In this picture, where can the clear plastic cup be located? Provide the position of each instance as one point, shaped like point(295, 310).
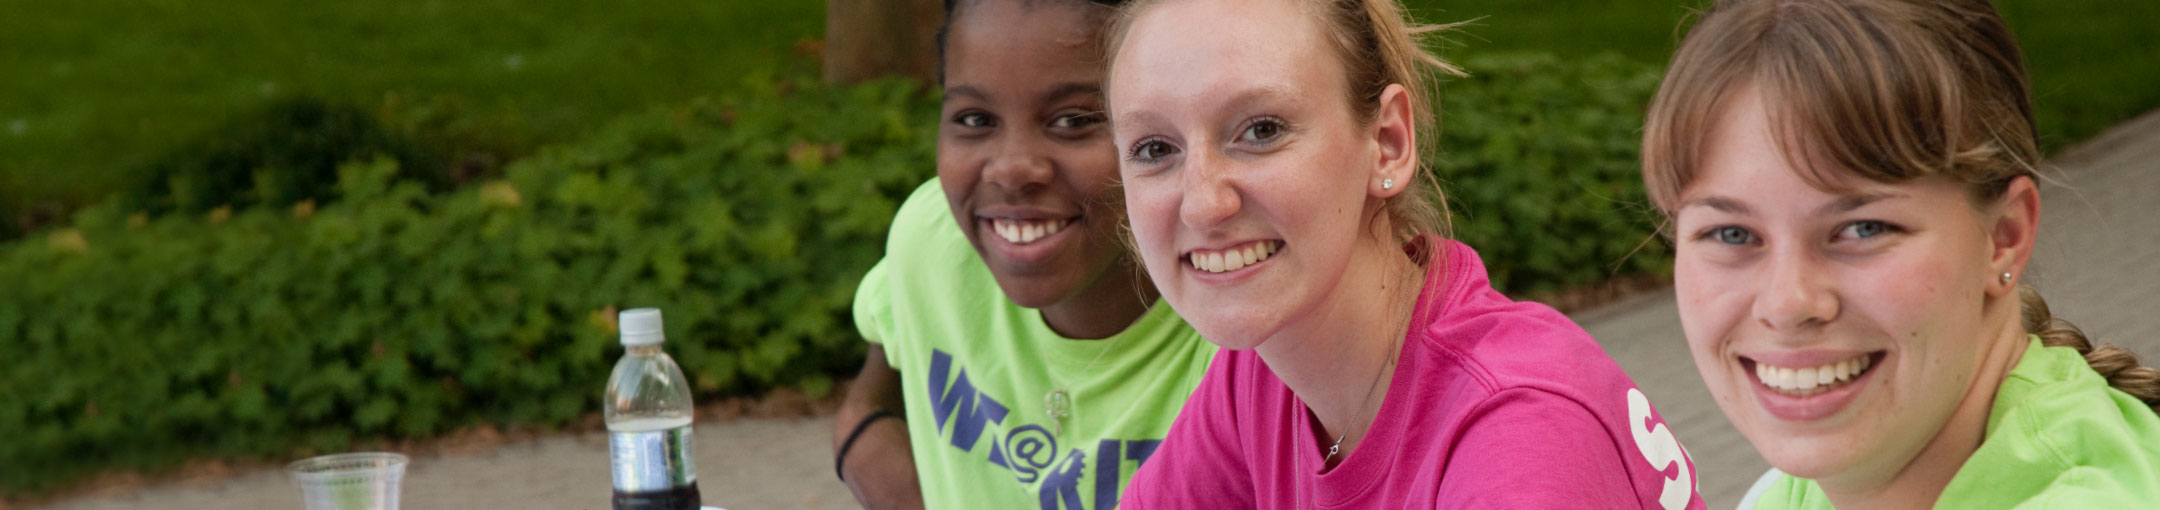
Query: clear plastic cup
point(349, 481)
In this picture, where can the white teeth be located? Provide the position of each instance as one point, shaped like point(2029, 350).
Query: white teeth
point(1234, 259)
point(1808, 380)
point(1026, 231)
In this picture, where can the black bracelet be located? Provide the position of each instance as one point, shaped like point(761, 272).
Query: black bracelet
point(840, 459)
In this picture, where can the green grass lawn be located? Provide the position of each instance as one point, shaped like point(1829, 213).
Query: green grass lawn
point(91, 90)
point(2092, 62)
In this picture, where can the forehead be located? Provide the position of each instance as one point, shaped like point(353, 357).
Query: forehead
point(1178, 50)
point(997, 44)
point(1743, 162)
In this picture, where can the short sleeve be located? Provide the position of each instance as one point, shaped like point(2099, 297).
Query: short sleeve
point(1200, 463)
point(1526, 448)
point(874, 297)
point(873, 305)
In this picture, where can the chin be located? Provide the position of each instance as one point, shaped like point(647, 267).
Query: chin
point(1807, 459)
point(1814, 454)
point(1232, 332)
point(1032, 291)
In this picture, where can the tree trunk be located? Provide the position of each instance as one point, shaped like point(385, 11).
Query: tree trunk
point(866, 39)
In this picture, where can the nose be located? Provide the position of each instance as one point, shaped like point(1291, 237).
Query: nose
point(1019, 164)
point(1210, 197)
point(1796, 294)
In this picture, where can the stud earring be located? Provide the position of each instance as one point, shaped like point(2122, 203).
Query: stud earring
point(1388, 183)
point(2006, 278)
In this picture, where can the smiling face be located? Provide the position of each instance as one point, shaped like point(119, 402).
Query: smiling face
point(1248, 179)
point(1839, 330)
point(1023, 154)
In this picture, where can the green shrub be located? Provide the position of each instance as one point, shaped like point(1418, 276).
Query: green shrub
point(282, 152)
point(135, 342)
point(1538, 159)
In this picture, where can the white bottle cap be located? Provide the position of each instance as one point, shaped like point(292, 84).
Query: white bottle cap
point(640, 326)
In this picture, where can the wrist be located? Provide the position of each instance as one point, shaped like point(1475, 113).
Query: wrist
point(840, 458)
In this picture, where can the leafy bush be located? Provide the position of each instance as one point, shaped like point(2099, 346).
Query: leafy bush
point(1538, 159)
point(283, 152)
point(136, 342)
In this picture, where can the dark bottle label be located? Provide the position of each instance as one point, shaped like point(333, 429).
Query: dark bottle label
point(679, 498)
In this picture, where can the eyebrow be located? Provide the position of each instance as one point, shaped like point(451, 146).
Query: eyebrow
point(1843, 204)
point(1238, 100)
point(1062, 91)
point(1722, 204)
point(1848, 203)
point(1070, 89)
point(968, 91)
point(1267, 92)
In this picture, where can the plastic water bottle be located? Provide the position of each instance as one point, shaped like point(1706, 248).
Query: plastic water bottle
point(648, 420)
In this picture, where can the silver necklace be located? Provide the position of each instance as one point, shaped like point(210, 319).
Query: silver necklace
point(1336, 449)
point(1058, 403)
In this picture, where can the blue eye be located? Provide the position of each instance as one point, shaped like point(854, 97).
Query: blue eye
point(1864, 229)
point(1735, 236)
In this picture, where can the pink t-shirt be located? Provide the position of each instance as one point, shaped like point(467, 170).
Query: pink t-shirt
point(1493, 404)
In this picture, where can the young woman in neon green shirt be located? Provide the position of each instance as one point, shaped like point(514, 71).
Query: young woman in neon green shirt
point(1850, 185)
point(1018, 358)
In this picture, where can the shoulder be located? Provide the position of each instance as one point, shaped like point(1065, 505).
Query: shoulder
point(924, 216)
point(924, 247)
point(929, 268)
point(2060, 437)
point(1528, 378)
point(1502, 344)
point(1462, 322)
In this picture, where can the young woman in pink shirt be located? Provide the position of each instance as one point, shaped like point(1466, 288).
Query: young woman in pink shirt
point(1270, 158)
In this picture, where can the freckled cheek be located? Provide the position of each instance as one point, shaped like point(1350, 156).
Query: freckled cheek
point(1714, 304)
point(1906, 299)
point(1152, 212)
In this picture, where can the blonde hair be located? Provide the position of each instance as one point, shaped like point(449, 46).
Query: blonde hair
point(1887, 90)
point(1378, 45)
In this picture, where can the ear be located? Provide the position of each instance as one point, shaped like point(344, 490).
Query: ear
point(1394, 133)
point(2011, 238)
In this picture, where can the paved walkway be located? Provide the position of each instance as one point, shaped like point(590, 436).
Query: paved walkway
point(2098, 264)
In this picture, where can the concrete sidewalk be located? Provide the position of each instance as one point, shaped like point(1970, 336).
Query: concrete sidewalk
point(2098, 264)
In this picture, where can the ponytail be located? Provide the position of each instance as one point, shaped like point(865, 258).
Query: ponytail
point(2118, 365)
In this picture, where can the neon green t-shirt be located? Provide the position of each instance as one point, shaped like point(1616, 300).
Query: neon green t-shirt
point(2058, 437)
point(978, 372)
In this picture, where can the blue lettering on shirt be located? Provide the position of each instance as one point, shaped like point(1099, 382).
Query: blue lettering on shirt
point(961, 400)
point(1029, 451)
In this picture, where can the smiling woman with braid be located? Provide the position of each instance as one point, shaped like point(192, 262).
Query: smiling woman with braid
point(1851, 188)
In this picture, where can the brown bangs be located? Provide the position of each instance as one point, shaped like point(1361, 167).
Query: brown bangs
point(1874, 90)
